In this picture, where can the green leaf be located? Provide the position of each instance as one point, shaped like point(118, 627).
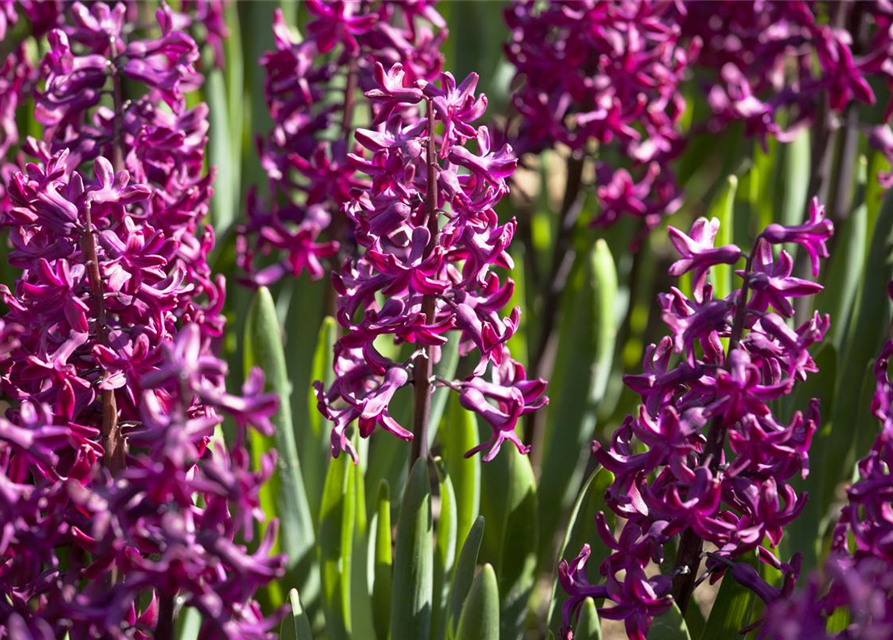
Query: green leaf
point(580, 531)
point(517, 344)
point(517, 567)
point(480, 615)
point(670, 626)
point(762, 179)
point(257, 37)
point(297, 625)
point(732, 610)
point(843, 274)
point(869, 329)
point(588, 626)
point(382, 586)
point(413, 559)
point(464, 574)
point(360, 594)
point(336, 528)
point(800, 535)
point(445, 549)
point(314, 438)
point(723, 208)
point(839, 620)
point(446, 368)
point(795, 185)
point(460, 434)
point(874, 190)
point(187, 625)
point(234, 74)
point(221, 154)
point(587, 337)
point(283, 496)
point(494, 496)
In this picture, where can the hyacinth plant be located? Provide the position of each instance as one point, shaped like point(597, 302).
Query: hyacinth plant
point(298, 201)
point(698, 393)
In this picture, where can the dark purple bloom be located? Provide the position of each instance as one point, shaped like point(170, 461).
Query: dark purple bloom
point(414, 280)
point(672, 475)
point(811, 235)
point(312, 176)
point(698, 253)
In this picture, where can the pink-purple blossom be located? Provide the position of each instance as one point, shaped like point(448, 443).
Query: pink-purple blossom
point(301, 225)
point(672, 476)
point(429, 250)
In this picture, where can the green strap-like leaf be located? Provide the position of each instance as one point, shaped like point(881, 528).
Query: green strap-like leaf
point(581, 530)
point(731, 612)
point(480, 615)
point(282, 497)
point(843, 274)
point(723, 209)
point(801, 534)
point(295, 626)
point(336, 530)
point(221, 154)
point(587, 337)
point(445, 549)
point(314, 438)
point(382, 585)
point(670, 626)
point(795, 186)
point(869, 329)
point(517, 567)
point(413, 559)
point(588, 626)
point(460, 434)
point(464, 574)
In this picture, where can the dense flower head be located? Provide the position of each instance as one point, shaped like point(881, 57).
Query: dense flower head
point(857, 572)
point(306, 154)
point(607, 74)
point(773, 63)
point(672, 473)
point(145, 522)
point(609, 78)
point(430, 242)
point(108, 339)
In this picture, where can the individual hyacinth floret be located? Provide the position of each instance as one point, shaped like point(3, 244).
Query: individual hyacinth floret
point(306, 154)
point(431, 240)
point(672, 475)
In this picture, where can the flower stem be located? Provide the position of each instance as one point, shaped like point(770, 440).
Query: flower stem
point(688, 555)
point(164, 630)
point(113, 443)
point(423, 366)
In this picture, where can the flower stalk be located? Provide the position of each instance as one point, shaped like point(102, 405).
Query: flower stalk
point(423, 365)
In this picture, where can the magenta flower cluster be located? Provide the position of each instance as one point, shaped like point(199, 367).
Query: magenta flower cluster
point(857, 573)
point(774, 61)
point(430, 243)
point(310, 175)
point(108, 340)
point(672, 477)
point(604, 74)
point(140, 222)
point(140, 533)
point(607, 78)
